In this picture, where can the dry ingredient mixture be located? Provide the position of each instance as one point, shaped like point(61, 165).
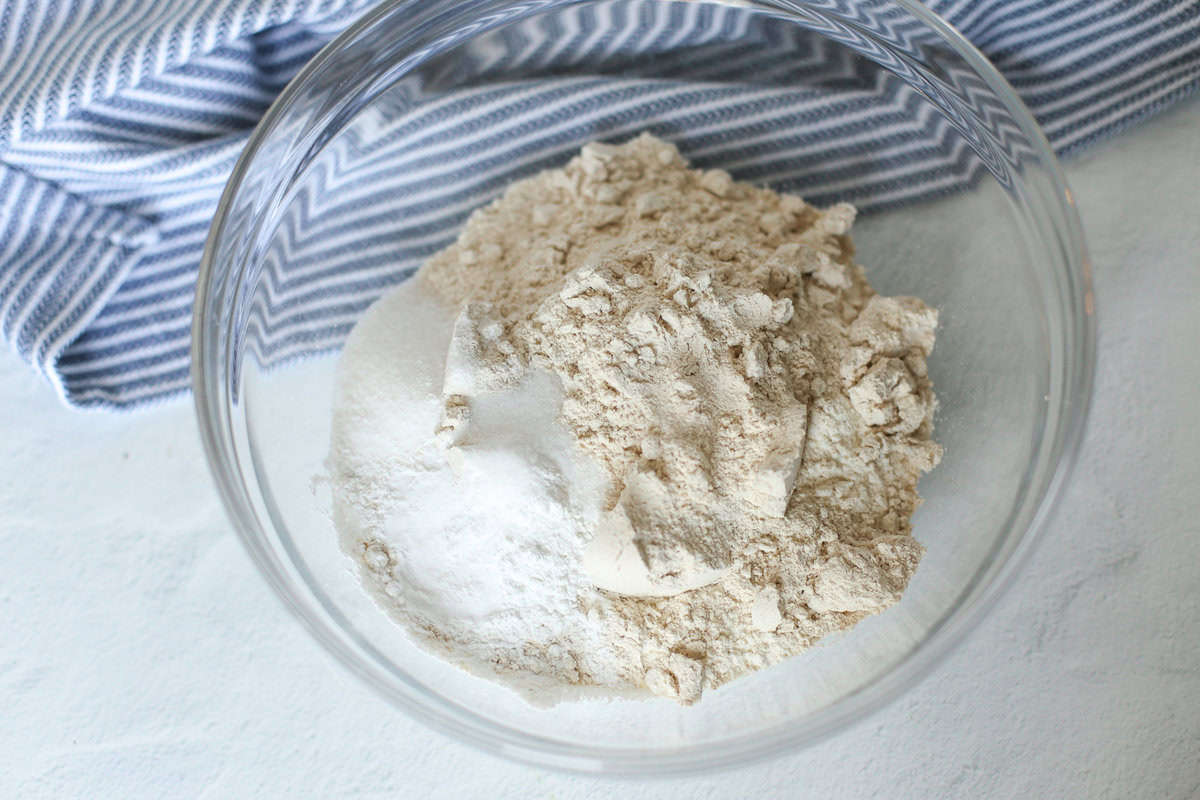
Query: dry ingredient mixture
point(641, 427)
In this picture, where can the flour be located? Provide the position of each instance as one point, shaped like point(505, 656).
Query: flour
point(655, 431)
point(475, 549)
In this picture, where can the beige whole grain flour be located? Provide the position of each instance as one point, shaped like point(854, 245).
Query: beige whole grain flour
point(642, 427)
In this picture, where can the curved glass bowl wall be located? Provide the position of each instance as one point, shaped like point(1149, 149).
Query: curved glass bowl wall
point(378, 151)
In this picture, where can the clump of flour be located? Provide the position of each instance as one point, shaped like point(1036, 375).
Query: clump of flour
point(732, 425)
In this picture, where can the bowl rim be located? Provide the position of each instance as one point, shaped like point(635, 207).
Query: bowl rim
point(461, 723)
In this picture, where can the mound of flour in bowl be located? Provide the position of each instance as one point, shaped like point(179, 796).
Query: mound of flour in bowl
point(641, 428)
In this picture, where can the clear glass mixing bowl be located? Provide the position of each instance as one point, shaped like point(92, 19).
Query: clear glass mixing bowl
point(421, 112)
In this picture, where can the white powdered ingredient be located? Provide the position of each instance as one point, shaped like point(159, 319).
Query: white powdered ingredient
point(640, 428)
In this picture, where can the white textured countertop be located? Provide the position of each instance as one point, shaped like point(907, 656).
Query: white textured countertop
point(142, 656)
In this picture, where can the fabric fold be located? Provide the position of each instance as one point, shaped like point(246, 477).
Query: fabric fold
point(63, 258)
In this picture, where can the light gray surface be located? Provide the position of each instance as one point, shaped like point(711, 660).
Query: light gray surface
point(142, 656)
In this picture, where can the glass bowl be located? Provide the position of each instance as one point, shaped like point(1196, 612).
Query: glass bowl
point(374, 155)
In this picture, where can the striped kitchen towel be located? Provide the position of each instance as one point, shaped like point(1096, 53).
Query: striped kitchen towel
point(120, 120)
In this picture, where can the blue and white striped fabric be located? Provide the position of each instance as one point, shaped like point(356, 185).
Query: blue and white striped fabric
point(119, 126)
